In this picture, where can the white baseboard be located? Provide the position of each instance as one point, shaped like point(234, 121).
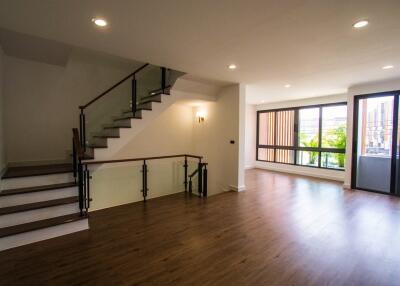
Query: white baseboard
point(248, 167)
point(237, 188)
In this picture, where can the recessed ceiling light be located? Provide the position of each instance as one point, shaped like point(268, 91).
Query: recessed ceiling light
point(232, 66)
point(388, 67)
point(287, 85)
point(262, 101)
point(360, 24)
point(99, 22)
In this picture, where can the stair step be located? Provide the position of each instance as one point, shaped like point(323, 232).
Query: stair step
point(97, 146)
point(111, 126)
point(140, 108)
point(30, 226)
point(17, 191)
point(39, 170)
point(152, 98)
point(38, 205)
point(145, 106)
point(124, 117)
point(89, 154)
point(106, 136)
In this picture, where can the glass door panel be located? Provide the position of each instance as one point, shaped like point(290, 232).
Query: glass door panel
point(374, 143)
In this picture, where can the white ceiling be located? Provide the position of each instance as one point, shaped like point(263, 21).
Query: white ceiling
point(309, 44)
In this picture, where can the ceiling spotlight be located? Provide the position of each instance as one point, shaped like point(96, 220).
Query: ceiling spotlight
point(360, 24)
point(287, 85)
point(99, 22)
point(232, 66)
point(388, 67)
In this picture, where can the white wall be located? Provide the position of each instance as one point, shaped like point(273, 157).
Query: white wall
point(382, 86)
point(314, 172)
point(42, 102)
point(2, 139)
point(212, 140)
point(169, 134)
point(251, 127)
point(177, 131)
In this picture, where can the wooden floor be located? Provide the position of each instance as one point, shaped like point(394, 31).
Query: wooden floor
point(284, 230)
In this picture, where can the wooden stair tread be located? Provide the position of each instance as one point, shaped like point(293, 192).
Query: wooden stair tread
point(21, 228)
point(38, 205)
point(97, 146)
point(124, 117)
point(138, 109)
point(39, 170)
point(17, 191)
point(106, 136)
point(115, 127)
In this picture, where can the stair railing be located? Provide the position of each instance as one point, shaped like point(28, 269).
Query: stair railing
point(202, 174)
point(82, 122)
point(82, 175)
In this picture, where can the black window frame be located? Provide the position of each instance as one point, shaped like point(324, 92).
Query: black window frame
point(296, 146)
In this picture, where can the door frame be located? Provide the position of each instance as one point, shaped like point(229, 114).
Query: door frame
point(395, 94)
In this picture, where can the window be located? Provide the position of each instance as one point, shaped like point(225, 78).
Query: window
point(312, 136)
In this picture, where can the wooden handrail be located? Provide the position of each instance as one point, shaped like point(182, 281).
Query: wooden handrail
point(140, 159)
point(114, 86)
point(77, 143)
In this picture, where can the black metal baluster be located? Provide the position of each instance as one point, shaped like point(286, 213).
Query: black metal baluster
point(80, 186)
point(82, 129)
point(144, 180)
point(186, 173)
point(74, 159)
point(134, 96)
point(205, 180)
point(200, 178)
point(163, 77)
point(190, 185)
point(87, 188)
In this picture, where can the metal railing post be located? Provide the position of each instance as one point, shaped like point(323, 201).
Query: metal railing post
point(87, 188)
point(163, 78)
point(134, 96)
point(205, 180)
point(74, 159)
point(144, 180)
point(190, 186)
point(186, 173)
point(82, 129)
point(80, 186)
point(200, 178)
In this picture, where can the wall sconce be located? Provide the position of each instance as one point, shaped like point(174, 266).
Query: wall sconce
point(201, 115)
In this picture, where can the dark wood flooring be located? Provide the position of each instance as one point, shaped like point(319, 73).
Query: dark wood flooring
point(284, 230)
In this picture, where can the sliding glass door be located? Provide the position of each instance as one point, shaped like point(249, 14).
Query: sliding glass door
point(375, 144)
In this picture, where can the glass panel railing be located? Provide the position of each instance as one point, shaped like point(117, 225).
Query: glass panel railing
point(104, 184)
point(171, 77)
point(148, 83)
point(120, 183)
point(104, 112)
point(115, 107)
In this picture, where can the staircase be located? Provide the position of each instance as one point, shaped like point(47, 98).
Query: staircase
point(42, 202)
point(38, 202)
